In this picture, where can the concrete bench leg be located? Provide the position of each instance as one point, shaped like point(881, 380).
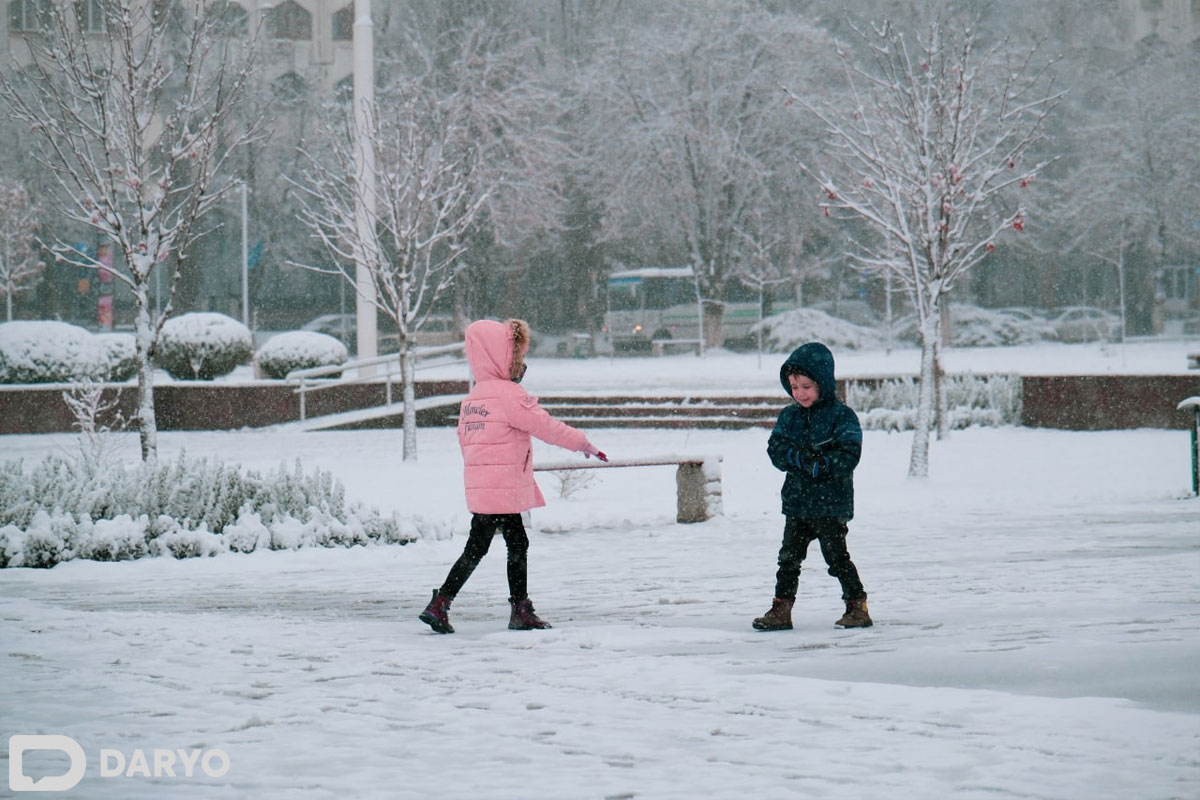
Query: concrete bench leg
point(698, 490)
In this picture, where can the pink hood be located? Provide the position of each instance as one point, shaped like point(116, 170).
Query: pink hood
point(489, 350)
point(497, 420)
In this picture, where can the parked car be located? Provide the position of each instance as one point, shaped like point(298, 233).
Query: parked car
point(1086, 324)
point(340, 326)
point(345, 327)
point(1031, 319)
point(437, 330)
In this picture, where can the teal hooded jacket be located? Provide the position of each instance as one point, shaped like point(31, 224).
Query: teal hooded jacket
point(817, 447)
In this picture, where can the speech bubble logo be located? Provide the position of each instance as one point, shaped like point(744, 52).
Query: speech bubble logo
point(18, 744)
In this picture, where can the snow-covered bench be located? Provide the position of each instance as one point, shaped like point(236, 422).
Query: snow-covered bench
point(697, 480)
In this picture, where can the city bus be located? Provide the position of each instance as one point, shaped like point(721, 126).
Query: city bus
point(663, 303)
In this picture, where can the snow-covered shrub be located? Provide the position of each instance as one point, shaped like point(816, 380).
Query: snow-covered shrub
point(118, 356)
point(972, 326)
point(285, 352)
point(987, 400)
point(61, 510)
point(203, 345)
point(47, 351)
point(784, 332)
point(95, 418)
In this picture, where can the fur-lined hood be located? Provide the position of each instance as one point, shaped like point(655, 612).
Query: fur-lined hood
point(496, 350)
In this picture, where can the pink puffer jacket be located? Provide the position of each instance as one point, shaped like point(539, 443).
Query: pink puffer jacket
point(497, 419)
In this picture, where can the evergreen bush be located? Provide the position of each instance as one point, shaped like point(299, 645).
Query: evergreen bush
point(987, 400)
point(118, 356)
point(48, 351)
point(294, 350)
point(202, 345)
point(64, 509)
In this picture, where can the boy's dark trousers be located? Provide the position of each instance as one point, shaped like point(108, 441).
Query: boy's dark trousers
point(798, 533)
point(483, 528)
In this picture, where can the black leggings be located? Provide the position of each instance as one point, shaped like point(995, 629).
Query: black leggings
point(483, 528)
point(798, 533)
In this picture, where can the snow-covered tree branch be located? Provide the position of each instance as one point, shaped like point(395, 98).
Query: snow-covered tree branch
point(19, 266)
point(426, 197)
point(688, 134)
point(930, 151)
point(136, 128)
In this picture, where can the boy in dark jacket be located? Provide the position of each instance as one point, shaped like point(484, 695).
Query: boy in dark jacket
point(817, 441)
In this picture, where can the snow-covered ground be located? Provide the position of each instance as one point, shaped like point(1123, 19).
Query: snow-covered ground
point(1037, 607)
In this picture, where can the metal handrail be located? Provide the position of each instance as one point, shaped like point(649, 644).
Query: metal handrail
point(364, 371)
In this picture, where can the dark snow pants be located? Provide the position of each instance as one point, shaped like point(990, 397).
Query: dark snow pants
point(483, 528)
point(798, 533)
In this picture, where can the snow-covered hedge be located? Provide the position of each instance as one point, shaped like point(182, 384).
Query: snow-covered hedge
point(285, 352)
point(118, 356)
point(203, 345)
point(64, 509)
point(783, 333)
point(985, 400)
point(47, 351)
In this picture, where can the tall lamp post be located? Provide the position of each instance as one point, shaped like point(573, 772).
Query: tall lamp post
point(245, 260)
point(364, 164)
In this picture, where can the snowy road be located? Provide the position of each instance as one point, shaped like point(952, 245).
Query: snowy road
point(1037, 606)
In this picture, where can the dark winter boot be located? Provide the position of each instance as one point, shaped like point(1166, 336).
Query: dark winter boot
point(437, 614)
point(523, 617)
point(779, 618)
point(856, 615)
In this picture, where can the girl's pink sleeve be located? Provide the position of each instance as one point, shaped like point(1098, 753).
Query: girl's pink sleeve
point(536, 421)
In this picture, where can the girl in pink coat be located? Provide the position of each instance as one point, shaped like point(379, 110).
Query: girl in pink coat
point(495, 424)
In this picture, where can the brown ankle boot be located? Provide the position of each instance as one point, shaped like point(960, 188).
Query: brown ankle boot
point(523, 617)
point(779, 618)
point(856, 615)
point(437, 614)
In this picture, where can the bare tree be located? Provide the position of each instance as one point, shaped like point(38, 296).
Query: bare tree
point(480, 59)
point(133, 126)
point(19, 267)
point(1134, 160)
point(932, 139)
point(425, 199)
point(688, 134)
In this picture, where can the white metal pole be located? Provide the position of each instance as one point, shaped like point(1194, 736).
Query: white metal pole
point(364, 158)
point(245, 260)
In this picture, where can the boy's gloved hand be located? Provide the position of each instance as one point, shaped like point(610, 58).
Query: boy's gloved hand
point(809, 463)
point(592, 451)
point(817, 466)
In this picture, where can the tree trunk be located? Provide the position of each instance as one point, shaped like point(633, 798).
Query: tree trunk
point(144, 337)
point(714, 318)
point(939, 377)
point(408, 379)
point(918, 463)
